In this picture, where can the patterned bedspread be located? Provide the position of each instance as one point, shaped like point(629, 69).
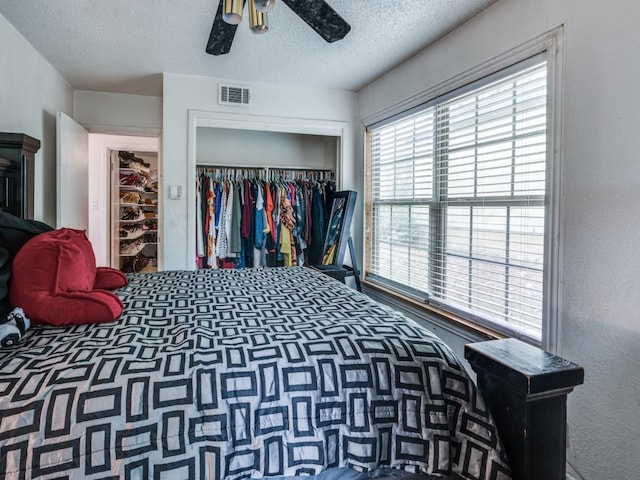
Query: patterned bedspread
point(240, 374)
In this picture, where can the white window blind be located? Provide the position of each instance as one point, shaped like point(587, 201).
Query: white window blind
point(457, 200)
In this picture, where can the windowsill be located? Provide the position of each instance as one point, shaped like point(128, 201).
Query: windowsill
point(442, 314)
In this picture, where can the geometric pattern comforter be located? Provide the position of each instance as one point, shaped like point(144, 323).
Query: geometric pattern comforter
point(229, 374)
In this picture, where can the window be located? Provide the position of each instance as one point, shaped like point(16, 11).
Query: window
point(457, 193)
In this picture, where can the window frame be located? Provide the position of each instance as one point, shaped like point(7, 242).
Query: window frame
point(551, 46)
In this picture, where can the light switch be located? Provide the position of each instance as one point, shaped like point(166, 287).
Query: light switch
point(175, 192)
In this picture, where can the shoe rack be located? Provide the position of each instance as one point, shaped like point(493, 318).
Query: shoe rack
point(135, 244)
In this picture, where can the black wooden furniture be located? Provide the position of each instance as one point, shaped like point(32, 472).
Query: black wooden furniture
point(526, 391)
point(17, 163)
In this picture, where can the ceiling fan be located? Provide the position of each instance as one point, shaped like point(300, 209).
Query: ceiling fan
point(316, 13)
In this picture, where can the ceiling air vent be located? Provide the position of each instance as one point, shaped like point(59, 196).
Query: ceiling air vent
point(232, 95)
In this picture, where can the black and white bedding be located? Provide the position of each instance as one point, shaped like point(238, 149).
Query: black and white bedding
point(229, 374)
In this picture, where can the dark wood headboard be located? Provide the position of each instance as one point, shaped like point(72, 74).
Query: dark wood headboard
point(17, 164)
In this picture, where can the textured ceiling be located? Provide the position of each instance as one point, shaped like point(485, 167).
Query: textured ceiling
point(123, 46)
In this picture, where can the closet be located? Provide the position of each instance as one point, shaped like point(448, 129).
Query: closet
point(262, 197)
point(134, 215)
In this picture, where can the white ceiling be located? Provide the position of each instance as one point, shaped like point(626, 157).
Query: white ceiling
point(123, 46)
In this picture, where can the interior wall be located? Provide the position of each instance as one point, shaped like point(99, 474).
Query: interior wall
point(226, 146)
point(599, 301)
point(31, 92)
point(117, 113)
point(183, 93)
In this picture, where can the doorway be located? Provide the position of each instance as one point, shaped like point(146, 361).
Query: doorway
point(100, 201)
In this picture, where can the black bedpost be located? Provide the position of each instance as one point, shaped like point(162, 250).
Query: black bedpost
point(526, 391)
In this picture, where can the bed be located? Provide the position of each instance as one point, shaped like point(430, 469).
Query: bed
point(230, 374)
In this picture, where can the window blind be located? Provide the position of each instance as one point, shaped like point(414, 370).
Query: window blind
point(457, 201)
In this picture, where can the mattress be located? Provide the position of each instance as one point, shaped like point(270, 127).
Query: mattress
point(230, 374)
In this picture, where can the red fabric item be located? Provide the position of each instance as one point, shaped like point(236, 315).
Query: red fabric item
point(269, 207)
point(54, 279)
point(109, 279)
point(228, 264)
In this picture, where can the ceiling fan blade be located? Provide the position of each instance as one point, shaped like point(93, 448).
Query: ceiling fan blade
point(321, 17)
point(222, 33)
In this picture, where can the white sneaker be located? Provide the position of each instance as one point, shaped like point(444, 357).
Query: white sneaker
point(132, 232)
point(131, 248)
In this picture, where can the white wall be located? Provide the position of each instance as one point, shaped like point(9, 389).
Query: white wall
point(183, 93)
point(31, 92)
point(600, 300)
point(118, 113)
point(226, 146)
point(116, 122)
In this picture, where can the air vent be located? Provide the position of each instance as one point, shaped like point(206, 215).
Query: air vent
point(232, 95)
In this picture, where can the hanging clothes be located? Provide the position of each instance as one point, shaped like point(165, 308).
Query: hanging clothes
point(248, 219)
point(261, 229)
point(317, 227)
point(235, 243)
point(287, 227)
point(212, 258)
point(199, 230)
point(221, 244)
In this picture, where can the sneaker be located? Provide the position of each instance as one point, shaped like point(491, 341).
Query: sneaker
point(139, 165)
point(131, 248)
point(152, 188)
point(151, 224)
point(131, 232)
point(133, 180)
point(133, 214)
point(129, 197)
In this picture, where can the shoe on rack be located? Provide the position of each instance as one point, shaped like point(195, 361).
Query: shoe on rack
point(126, 156)
point(132, 232)
point(151, 224)
point(140, 165)
point(131, 248)
point(132, 214)
point(129, 197)
point(138, 179)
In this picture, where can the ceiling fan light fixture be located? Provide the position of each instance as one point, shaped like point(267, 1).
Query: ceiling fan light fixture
point(265, 5)
point(232, 12)
point(258, 21)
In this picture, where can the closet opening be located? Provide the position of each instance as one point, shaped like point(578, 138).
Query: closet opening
point(291, 154)
point(124, 178)
point(263, 198)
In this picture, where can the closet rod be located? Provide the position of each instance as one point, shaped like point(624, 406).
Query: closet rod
point(270, 173)
point(295, 173)
point(233, 167)
point(264, 167)
point(300, 169)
